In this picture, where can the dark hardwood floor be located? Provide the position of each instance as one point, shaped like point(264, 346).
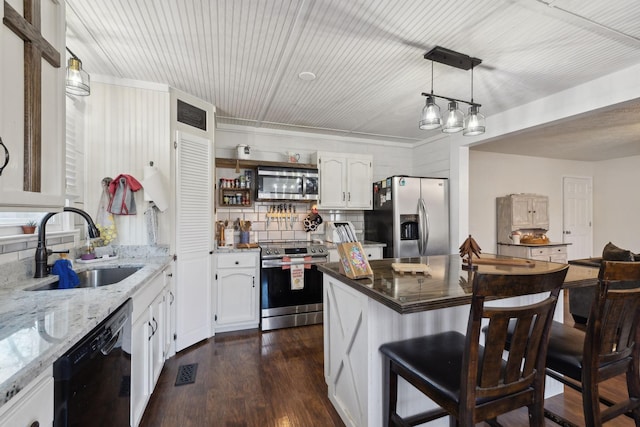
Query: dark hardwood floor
point(276, 379)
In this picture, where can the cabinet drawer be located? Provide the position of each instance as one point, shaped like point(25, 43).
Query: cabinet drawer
point(237, 260)
point(548, 251)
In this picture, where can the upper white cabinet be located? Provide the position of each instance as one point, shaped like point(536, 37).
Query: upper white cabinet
point(237, 292)
point(345, 180)
point(19, 117)
point(521, 212)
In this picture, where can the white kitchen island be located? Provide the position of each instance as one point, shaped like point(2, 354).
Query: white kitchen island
point(360, 315)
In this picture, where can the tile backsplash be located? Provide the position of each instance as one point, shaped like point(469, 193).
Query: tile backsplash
point(291, 228)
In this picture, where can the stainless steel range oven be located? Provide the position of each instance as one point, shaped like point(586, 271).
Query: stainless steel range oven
point(291, 285)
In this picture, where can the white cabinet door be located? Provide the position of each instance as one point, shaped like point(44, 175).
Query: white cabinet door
point(359, 179)
point(237, 291)
point(194, 188)
point(332, 175)
point(13, 113)
point(540, 212)
point(236, 296)
point(33, 405)
point(158, 324)
point(521, 212)
point(345, 180)
point(140, 372)
point(170, 314)
point(147, 342)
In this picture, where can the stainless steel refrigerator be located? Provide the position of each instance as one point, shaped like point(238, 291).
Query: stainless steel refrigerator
point(410, 215)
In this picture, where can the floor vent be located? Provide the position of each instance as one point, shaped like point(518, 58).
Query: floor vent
point(186, 374)
point(125, 386)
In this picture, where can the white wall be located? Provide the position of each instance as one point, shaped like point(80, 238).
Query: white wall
point(389, 158)
point(492, 175)
point(616, 204)
point(127, 126)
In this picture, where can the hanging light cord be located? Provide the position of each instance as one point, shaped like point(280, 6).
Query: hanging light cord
point(471, 84)
point(75, 57)
point(432, 77)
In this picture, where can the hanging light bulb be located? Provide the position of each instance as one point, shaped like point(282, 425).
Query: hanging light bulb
point(431, 118)
point(77, 82)
point(474, 123)
point(454, 120)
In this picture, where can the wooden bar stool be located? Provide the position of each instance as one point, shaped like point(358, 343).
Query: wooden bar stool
point(470, 382)
point(608, 347)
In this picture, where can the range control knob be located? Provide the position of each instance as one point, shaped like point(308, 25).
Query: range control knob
point(268, 252)
point(321, 250)
point(313, 250)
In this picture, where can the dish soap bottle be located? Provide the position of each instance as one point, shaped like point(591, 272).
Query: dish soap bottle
point(87, 252)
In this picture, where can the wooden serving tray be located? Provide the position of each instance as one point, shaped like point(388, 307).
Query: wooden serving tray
point(407, 267)
point(511, 262)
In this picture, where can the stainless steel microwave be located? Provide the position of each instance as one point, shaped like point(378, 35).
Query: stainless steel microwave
point(284, 183)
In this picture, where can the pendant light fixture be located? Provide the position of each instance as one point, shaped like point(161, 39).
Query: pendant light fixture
point(454, 120)
point(78, 81)
point(431, 118)
point(474, 123)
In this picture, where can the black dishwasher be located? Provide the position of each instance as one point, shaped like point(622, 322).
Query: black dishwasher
point(93, 379)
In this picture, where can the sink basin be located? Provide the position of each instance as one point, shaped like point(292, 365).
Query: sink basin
point(94, 278)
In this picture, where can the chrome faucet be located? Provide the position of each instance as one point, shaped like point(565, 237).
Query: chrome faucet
point(42, 253)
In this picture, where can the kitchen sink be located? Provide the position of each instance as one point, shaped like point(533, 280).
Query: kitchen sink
point(94, 278)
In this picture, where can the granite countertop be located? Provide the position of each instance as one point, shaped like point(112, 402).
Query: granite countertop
point(364, 243)
point(535, 245)
point(37, 327)
point(446, 285)
point(234, 249)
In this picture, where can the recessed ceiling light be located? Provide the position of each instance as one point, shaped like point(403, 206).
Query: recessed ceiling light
point(307, 76)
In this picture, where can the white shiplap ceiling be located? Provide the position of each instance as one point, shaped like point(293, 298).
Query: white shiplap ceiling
point(244, 56)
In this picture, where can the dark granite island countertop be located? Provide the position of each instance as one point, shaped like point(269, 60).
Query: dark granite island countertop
point(446, 285)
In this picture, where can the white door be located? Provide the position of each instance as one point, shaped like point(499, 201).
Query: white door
point(193, 238)
point(577, 216)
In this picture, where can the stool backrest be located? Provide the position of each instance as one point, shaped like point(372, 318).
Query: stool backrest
point(487, 374)
point(612, 330)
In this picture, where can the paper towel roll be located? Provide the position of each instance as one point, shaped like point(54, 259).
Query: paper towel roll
point(154, 188)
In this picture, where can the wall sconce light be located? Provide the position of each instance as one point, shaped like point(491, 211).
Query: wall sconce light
point(78, 82)
point(454, 120)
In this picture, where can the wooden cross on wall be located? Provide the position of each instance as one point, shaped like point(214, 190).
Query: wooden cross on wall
point(35, 48)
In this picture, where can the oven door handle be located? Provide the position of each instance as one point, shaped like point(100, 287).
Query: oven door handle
point(276, 263)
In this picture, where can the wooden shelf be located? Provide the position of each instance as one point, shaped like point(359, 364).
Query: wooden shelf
point(233, 192)
point(250, 164)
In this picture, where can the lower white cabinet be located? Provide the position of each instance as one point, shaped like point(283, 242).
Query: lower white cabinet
point(554, 253)
point(237, 291)
point(151, 319)
point(32, 406)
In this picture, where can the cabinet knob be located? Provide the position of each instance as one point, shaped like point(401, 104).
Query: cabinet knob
point(237, 262)
point(35, 424)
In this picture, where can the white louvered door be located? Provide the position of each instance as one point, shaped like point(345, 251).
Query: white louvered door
point(193, 238)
